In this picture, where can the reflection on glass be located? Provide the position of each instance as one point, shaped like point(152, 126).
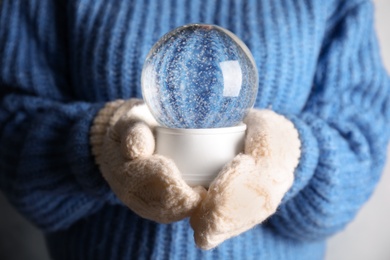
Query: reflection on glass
point(232, 78)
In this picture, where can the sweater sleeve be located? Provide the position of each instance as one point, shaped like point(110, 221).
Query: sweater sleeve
point(343, 129)
point(46, 168)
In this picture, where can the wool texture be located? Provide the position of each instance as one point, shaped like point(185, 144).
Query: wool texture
point(62, 61)
point(250, 188)
point(246, 192)
point(150, 185)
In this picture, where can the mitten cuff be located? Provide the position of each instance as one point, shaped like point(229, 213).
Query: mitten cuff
point(101, 123)
point(273, 138)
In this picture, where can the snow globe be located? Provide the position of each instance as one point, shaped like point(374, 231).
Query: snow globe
point(199, 82)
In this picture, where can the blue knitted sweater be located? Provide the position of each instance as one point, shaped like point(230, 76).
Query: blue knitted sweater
point(60, 61)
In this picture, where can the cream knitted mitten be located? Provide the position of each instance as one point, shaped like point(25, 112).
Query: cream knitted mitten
point(251, 187)
point(151, 185)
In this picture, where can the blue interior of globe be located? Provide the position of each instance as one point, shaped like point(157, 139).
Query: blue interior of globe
point(199, 76)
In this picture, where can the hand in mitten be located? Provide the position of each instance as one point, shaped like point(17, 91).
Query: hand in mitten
point(249, 189)
point(151, 185)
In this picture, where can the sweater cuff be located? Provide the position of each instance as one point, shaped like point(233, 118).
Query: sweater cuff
point(81, 159)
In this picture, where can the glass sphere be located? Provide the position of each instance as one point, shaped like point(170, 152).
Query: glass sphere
point(199, 76)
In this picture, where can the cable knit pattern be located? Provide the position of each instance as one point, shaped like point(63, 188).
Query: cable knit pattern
point(61, 61)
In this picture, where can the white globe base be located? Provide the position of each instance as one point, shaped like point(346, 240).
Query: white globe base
point(200, 154)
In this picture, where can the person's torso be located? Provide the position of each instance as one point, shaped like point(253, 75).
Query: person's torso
point(109, 41)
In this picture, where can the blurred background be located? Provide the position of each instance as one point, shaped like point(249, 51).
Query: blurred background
point(367, 237)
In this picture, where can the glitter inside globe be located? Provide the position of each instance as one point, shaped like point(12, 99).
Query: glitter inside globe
point(199, 76)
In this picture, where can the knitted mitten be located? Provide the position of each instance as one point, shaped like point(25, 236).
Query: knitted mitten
point(151, 185)
point(250, 188)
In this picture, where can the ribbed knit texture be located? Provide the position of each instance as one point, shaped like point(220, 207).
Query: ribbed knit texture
point(60, 61)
